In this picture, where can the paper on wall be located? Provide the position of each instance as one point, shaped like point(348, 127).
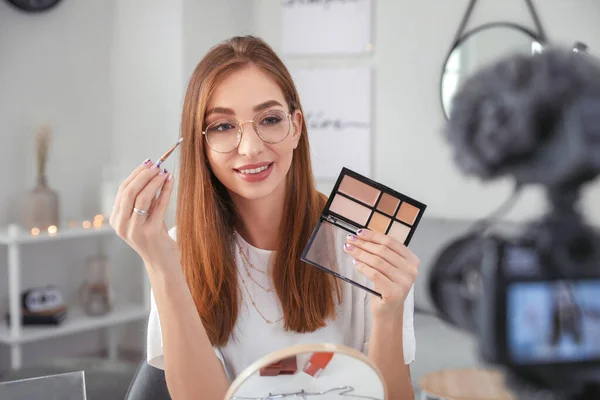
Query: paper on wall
point(326, 26)
point(337, 112)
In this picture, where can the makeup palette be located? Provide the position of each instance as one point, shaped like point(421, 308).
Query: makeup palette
point(357, 202)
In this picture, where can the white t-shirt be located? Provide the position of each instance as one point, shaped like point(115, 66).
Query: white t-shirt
point(254, 338)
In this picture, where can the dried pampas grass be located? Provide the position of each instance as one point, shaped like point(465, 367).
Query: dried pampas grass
point(43, 144)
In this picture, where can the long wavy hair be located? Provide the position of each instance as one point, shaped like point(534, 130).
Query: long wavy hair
point(206, 218)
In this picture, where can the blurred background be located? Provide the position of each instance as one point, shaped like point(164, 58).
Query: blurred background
point(91, 88)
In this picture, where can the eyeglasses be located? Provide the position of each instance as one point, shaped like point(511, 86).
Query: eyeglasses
point(225, 135)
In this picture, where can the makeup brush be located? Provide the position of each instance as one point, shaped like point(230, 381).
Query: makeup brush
point(168, 153)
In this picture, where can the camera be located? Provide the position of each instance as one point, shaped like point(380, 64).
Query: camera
point(530, 294)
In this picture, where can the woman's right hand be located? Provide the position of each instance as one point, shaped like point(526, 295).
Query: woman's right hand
point(147, 232)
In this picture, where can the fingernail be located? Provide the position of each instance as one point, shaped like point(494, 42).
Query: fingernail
point(170, 177)
point(348, 246)
point(162, 172)
point(361, 232)
point(146, 161)
point(352, 237)
point(354, 261)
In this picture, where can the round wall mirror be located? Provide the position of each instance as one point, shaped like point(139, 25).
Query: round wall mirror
point(480, 47)
point(319, 371)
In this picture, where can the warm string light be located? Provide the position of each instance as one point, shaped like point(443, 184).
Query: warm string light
point(97, 222)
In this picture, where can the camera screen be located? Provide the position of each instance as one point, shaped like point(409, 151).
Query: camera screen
point(553, 321)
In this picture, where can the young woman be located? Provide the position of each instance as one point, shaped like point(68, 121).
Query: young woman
point(228, 284)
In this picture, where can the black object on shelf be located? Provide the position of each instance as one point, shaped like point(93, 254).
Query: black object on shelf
point(55, 317)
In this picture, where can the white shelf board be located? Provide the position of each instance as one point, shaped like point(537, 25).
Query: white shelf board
point(75, 322)
point(65, 233)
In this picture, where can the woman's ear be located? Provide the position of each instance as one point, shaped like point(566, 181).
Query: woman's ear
point(297, 122)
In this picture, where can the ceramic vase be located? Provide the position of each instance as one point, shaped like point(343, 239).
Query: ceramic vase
point(41, 207)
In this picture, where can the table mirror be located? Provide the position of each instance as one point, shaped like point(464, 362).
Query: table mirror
point(306, 371)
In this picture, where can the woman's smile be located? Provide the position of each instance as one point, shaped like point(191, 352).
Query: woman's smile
point(254, 172)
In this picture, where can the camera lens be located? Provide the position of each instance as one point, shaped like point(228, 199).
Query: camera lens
point(580, 249)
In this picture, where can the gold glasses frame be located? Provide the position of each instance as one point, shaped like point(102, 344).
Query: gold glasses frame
point(240, 131)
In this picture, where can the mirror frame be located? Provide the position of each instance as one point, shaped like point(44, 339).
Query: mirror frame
point(298, 349)
point(529, 32)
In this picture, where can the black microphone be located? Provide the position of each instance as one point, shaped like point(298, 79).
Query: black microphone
point(534, 117)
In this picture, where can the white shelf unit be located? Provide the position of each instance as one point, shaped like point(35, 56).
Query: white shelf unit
point(15, 335)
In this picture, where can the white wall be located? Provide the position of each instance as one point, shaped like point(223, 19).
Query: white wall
point(54, 68)
point(409, 51)
point(205, 23)
point(146, 72)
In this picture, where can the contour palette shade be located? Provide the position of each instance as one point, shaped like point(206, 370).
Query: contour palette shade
point(358, 202)
point(379, 211)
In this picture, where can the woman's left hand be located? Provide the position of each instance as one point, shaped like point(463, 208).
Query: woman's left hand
point(389, 264)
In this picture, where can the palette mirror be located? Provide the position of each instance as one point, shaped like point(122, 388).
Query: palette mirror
point(480, 47)
point(320, 371)
point(359, 203)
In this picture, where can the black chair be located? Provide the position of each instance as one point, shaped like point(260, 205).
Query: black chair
point(148, 383)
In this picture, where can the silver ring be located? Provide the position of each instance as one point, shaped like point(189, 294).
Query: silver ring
point(140, 212)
